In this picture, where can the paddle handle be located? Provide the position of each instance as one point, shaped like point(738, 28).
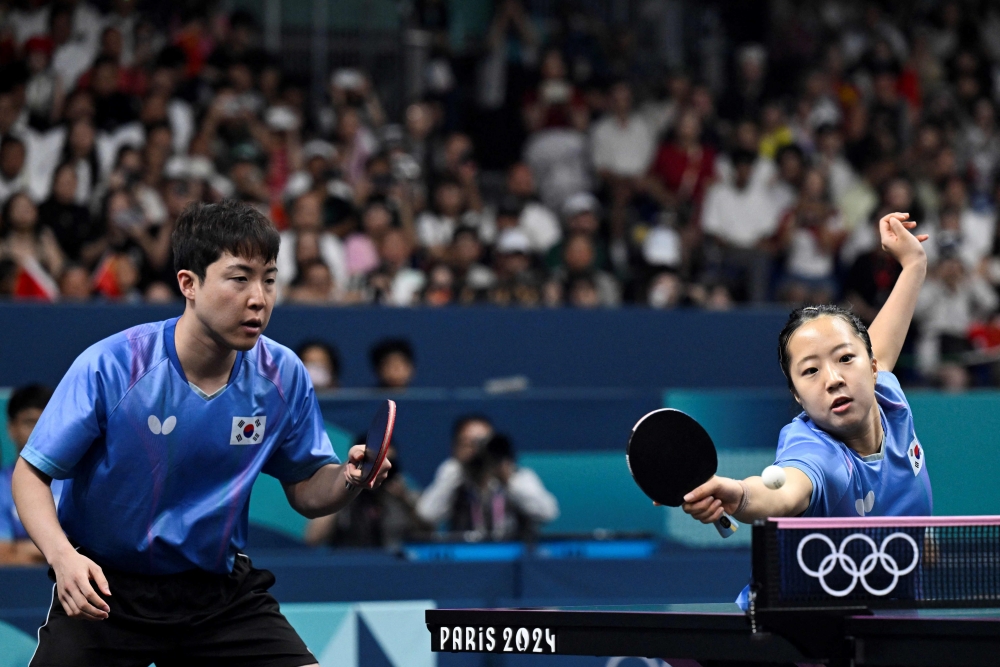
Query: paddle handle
point(726, 526)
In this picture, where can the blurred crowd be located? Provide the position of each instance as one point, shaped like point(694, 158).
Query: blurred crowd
point(549, 165)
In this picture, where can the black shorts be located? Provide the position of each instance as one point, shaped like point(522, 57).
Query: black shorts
point(187, 619)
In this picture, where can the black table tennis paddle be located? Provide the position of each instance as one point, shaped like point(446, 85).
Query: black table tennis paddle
point(669, 455)
point(377, 443)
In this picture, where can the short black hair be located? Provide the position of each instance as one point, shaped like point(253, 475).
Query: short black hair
point(330, 351)
point(467, 419)
point(205, 231)
point(387, 346)
point(790, 149)
point(465, 230)
point(743, 156)
point(11, 140)
point(27, 397)
point(101, 61)
point(800, 316)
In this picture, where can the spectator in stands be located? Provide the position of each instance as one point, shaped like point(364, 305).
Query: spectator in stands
point(621, 150)
point(830, 158)
point(683, 167)
point(556, 102)
point(45, 92)
point(950, 302)
point(581, 215)
point(518, 282)
point(436, 228)
point(24, 408)
point(81, 238)
point(479, 493)
point(977, 227)
point(472, 278)
point(322, 362)
point(393, 363)
point(23, 240)
point(585, 284)
point(440, 289)
point(14, 175)
point(307, 242)
point(745, 99)
point(737, 220)
point(74, 284)
point(394, 282)
point(557, 149)
point(314, 285)
point(80, 149)
point(534, 218)
point(809, 236)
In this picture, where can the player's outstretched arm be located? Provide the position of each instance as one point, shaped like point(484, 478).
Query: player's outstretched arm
point(750, 499)
point(888, 331)
point(327, 490)
point(75, 574)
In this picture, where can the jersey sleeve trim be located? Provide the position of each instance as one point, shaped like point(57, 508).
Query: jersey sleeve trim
point(44, 463)
point(296, 474)
point(814, 477)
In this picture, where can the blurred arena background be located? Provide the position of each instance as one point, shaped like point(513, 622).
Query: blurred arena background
point(545, 217)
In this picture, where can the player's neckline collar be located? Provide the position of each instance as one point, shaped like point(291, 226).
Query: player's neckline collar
point(168, 339)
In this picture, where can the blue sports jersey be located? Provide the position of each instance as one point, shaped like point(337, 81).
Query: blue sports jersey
point(893, 483)
point(159, 477)
point(11, 527)
point(845, 484)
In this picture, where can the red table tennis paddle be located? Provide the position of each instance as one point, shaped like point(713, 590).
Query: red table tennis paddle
point(669, 455)
point(377, 443)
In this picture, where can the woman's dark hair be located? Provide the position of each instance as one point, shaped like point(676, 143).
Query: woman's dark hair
point(800, 316)
point(204, 232)
point(5, 213)
point(91, 157)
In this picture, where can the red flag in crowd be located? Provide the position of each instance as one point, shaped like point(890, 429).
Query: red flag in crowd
point(105, 280)
point(34, 283)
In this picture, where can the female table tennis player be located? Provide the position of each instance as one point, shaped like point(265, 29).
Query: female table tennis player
point(853, 450)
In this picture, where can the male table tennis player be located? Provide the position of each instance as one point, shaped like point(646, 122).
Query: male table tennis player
point(853, 450)
point(161, 431)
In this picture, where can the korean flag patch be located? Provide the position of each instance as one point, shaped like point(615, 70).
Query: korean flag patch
point(247, 430)
point(915, 452)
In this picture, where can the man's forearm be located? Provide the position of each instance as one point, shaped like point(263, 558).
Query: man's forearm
point(322, 494)
point(37, 510)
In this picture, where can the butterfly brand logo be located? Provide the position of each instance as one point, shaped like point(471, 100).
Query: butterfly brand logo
point(165, 428)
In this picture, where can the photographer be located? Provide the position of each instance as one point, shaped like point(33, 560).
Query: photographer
point(481, 492)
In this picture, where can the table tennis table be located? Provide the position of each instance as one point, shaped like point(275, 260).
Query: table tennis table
point(722, 632)
point(890, 591)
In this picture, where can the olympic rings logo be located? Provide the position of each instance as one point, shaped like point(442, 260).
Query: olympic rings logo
point(876, 557)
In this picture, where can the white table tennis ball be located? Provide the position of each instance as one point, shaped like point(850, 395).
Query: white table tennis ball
point(773, 476)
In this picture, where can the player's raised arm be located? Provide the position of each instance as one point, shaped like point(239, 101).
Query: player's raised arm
point(888, 331)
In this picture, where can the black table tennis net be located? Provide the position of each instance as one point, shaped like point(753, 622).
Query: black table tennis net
point(876, 566)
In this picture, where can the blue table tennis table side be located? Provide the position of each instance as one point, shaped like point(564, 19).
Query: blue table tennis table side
point(721, 632)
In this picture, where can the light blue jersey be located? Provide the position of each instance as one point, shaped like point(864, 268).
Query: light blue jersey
point(891, 483)
point(159, 475)
point(11, 528)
